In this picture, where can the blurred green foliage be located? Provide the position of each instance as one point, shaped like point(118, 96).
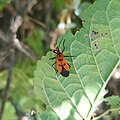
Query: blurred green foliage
point(3, 3)
point(35, 41)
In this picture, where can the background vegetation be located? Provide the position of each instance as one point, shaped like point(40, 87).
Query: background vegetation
point(30, 28)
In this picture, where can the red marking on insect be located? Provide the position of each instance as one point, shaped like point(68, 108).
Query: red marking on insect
point(62, 66)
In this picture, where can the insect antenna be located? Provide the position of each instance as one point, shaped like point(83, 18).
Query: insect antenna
point(63, 46)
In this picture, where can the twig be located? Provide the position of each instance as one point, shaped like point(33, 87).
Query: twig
point(3, 37)
point(13, 29)
point(9, 78)
point(24, 49)
point(42, 25)
point(15, 24)
point(19, 113)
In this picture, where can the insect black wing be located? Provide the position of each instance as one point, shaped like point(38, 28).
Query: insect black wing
point(64, 72)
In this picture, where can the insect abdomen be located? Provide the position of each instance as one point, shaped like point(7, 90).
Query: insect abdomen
point(64, 72)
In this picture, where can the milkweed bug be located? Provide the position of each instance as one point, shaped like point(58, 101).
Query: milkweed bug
point(62, 66)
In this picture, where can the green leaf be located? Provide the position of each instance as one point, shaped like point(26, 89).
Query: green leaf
point(48, 115)
point(113, 104)
point(96, 54)
point(114, 101)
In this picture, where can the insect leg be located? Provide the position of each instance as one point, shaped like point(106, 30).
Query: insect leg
point(53, 64)
point(69, 64)
point(69, 56)
point(54, 67)
point(52, 58)
point(63, 46)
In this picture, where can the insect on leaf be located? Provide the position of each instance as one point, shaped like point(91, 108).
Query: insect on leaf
point(76, 96)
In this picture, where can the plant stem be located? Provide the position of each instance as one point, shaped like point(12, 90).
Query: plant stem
point(8, 83)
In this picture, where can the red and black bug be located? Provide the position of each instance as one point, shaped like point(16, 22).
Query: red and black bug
point(61, 63)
